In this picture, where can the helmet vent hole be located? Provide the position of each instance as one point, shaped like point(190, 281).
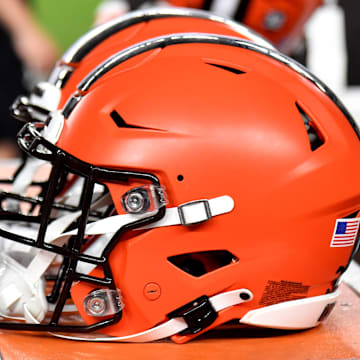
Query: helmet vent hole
point(316, 139)
point(180, 177)
point(200, 263)
point(120, 122)
point(228, 68)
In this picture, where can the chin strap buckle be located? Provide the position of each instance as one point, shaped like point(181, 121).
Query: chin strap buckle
point(198, 315)
point(194, 212)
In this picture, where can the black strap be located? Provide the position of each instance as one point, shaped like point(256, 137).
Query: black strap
point(135, 4)
point(207, 4)
point(241, 10)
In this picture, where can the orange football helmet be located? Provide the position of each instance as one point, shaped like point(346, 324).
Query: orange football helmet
point(232, 194)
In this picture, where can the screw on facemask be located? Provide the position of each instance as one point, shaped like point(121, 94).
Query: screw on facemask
point(103, 302)
point(143, 199)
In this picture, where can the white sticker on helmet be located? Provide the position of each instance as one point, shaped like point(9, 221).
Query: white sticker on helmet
point(345, 232)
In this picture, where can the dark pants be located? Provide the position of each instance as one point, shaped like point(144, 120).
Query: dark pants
point(352, 25)
point(10, 86)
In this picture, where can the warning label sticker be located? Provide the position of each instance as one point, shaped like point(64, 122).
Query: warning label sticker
point(280, 291)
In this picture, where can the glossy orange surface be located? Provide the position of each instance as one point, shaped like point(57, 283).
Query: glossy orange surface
point(337, 338)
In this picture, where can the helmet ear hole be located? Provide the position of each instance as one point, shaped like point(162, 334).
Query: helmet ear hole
point(200, 263)
point(192, 266)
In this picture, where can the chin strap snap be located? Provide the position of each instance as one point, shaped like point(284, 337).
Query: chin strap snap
point(183, 319)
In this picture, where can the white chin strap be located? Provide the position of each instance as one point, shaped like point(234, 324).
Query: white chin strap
point(294, 314)
point(173, 326)
point(187, 214)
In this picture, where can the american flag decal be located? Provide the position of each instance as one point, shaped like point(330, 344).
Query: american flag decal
point(345, 232)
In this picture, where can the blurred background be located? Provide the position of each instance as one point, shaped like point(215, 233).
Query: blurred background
point(35, 35)
point(65, 20)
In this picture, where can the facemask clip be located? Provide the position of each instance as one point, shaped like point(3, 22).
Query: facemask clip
point(103, 302)
point(143, 199)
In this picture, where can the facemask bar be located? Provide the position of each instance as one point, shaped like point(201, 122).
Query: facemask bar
point(22, 109)
point(31, 141)
point(8, 213)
